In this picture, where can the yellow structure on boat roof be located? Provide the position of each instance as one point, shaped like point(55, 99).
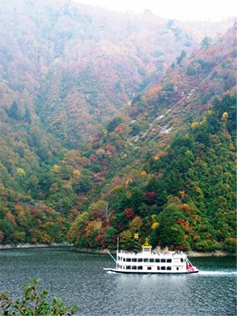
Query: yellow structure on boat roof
point(146, 245)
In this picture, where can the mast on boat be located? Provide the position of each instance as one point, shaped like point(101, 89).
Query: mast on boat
point(117, 250)
point(136, 237)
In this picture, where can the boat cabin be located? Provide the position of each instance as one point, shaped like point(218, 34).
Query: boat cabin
point(148, 261)
point(152, 262)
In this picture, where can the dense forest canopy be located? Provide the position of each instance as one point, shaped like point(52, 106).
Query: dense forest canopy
point(183, 199)
point(113, 124)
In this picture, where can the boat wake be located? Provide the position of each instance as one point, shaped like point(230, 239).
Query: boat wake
point(218, 273)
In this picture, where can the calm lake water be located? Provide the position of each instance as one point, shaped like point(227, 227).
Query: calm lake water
point(80, 279)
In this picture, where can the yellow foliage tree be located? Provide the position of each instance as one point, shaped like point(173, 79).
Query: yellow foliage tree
point(56, 168)
point(100, 152)
point(186, 207)
point(93, 227)
point(195, 125)
point(135, 224)
point(225, 116)
point(98, 206)
point(117, 190)
point(77, 225)
point(20, 171)
point(155, 225)
point(76, 173)
point(19, 208)
point(143, 174)
point(159, 154)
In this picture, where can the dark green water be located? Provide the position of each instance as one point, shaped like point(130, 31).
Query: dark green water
point(80, 279)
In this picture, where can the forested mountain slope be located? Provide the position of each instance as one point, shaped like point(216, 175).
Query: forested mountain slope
point(73, 66)
point(180, 187)
point(189, 87)
point(184, 198)
point(64, 68)
point(73, 144)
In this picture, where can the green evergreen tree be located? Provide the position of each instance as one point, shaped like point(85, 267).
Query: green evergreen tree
point(28, 117)
point(14, 111)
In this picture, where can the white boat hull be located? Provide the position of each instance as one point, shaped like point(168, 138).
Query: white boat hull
point(148, 272)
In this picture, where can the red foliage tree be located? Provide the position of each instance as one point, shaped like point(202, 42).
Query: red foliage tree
point(129, 212)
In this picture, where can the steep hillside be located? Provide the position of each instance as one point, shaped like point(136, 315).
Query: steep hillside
point(73, 66)
point(186, 181)
point(75, 149)
point(184, 199)
point(188, 89)
point(64, 68)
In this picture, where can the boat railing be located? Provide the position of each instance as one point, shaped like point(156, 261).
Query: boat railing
point(167, 253)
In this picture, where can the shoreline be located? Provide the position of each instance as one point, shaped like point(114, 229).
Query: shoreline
point(190, 254)
point(217, 253)
point(30, 246)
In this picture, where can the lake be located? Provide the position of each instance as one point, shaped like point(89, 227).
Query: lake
point(79, 279)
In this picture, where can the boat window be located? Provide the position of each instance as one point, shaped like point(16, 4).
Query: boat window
point(177, 268)
point(168, 268)
point(128, 260)
point(128, 267)
point(123, 259)
point(145, 260)
point(157, 260)
point(182, 260)
point(152, 260)
point(134, 259)
point(148, 268)
point(134, 267)
point(158, 268)
point(163, 260)
point(163, 268)
point(139, 259)
point(169, 260)
point(140, 268)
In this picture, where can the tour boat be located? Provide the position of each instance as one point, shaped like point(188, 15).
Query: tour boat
point(152, 262)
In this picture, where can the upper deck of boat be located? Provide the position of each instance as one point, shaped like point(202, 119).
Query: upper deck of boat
point(151, 254)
